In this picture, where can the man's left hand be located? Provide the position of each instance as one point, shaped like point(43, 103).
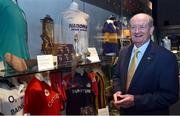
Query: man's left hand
point(126, 101)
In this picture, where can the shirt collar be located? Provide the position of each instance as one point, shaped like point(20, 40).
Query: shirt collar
point(14, 1)
point(41, 78)
point(142, 48)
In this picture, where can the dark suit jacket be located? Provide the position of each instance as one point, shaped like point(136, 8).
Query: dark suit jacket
point(155, 83)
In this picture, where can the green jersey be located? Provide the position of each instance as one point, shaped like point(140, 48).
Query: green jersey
point(13, 30)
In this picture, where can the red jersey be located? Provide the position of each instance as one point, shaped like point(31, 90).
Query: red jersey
point(42, 99)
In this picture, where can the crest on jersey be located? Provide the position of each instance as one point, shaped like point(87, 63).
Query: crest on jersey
point(46, 92)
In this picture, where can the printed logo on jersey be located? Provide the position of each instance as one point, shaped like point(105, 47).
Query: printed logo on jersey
point(11, 99)
point(77, 27)
point(55, 97)
point(15, 108)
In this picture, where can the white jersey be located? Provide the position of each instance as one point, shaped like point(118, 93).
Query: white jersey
point(74, 29)
point(11, 99)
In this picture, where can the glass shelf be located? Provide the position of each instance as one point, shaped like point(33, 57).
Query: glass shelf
point(34, 69)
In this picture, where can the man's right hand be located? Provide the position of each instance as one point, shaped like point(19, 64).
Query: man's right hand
point(117, 98)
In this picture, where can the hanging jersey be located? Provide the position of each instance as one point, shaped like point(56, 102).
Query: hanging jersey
point(92, 76)
point(80, 96)
point(110, 31)
point(110, 37)
point(11, 99)
point(13, 34)
point(56, 80)
point(78, 99)
point(74, 29)
point(42, 99)
point(101, 98)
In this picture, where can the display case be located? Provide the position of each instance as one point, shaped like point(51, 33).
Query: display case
point(95, 27)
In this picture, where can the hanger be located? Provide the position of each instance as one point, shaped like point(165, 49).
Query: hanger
point(74, 6)
point(79, 70)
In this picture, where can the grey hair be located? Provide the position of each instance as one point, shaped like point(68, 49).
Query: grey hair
point(149, 17)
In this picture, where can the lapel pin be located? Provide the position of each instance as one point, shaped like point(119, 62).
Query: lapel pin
point(148, 58)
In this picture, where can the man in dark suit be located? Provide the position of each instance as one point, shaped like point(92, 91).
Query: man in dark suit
point(153, 85)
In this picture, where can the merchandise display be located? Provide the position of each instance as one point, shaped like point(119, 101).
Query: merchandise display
point(14, 50)
point(79, 94)
point(74, 28)
point(85, 92)
point(83, 40)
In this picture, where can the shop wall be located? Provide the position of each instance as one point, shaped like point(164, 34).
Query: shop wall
point(38, 9)
point(168, 12)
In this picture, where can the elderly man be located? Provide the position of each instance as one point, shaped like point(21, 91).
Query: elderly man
point(146, 76)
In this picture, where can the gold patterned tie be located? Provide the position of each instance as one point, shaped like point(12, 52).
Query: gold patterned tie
point(132, 68)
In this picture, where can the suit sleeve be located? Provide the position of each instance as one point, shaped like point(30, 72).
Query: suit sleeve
point(116, 75)
point(167, 92)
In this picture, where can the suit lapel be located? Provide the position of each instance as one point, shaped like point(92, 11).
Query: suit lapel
point(145, 61)
point(125, 66)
